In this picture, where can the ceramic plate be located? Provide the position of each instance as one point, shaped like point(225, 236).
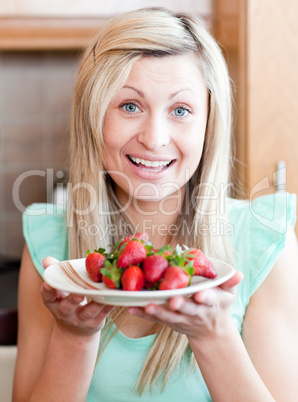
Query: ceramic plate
point(78, 282)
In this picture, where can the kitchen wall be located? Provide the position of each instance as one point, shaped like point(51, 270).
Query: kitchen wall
point(35, 102)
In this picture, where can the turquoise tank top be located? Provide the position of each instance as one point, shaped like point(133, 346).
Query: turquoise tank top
point(257, 231)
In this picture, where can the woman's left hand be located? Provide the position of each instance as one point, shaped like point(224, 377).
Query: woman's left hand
point(203, 315)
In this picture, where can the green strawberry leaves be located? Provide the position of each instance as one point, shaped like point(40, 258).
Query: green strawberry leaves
point(101, 251)
point(150, 249)
point(165, 248)
point(111, 271)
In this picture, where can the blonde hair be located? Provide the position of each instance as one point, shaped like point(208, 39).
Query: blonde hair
point(104, 69)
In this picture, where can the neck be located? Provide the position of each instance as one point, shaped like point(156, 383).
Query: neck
point(157, 218)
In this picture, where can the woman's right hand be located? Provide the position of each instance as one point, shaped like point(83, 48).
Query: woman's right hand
point(69, 311)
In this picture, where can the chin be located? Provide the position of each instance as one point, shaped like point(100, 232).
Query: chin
point(147, 198)
point(154, 197)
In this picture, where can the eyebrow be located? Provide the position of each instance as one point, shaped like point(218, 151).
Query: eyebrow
point(181, 90)
point(142, 94)
point(136, 90)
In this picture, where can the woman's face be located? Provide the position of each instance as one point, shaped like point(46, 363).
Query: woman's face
point(154, 127)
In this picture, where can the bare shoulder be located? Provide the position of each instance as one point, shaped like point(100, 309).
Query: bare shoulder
point(30, 304)
point(270, 327)
point(34, 328)
point(281, 284)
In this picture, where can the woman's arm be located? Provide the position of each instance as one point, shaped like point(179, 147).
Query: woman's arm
point(270, 329)
point(259, 369)
point(56, 356)
point(265, 365)
point(224, 362)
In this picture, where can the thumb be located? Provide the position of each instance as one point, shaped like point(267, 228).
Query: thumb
point(231, 283)
point(47, 261)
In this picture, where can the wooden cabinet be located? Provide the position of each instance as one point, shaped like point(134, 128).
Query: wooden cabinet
point(260, 42)
point(54, 25)
point(19, 33)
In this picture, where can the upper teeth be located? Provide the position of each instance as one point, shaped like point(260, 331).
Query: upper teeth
point(149, 163)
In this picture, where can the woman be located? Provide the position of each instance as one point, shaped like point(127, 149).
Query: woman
point(150, 152)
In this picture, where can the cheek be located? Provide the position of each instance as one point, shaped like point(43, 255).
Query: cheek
point(112, 141)
point(116, 134)
point(192, 147)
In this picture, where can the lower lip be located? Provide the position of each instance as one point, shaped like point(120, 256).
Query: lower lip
point(148, 174)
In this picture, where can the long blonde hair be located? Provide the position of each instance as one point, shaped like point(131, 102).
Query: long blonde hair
point(93, 207)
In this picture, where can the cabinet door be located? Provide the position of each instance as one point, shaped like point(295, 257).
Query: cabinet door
point(260, 38)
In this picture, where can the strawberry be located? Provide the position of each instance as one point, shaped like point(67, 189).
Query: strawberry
point(175, 278)
point(133, 253)
point(139, 236)
point(109, 282)
point(201, 264)
point(151, 286)
point(154, 268)
point(94, 262)
point(166, 251)
point(133, 278)
point(111, 275)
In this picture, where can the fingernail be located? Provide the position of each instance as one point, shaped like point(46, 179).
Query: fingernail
point(151, 309)
point(62, 294)
point(179, 301)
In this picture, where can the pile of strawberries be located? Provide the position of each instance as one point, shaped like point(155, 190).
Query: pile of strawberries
point(134, 264)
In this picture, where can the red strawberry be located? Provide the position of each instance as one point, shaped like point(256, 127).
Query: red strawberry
point(133, 253)
point(111, 275)
point(133, 278)
point(108, 282)
point(94, 262)
point(139, 236)
point(201, 264)
point(154, 267)
point(175, 278)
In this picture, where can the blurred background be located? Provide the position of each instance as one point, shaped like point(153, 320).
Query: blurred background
point(40, 45)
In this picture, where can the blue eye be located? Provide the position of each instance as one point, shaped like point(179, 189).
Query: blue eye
point(180, 111)
point(130, 107)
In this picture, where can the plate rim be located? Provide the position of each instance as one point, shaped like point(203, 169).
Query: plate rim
point(142, 294)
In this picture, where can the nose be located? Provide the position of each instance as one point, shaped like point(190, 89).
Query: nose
point(154, 133)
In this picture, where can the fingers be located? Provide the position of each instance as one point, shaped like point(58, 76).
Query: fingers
point(231, 283)
point(92, 309)
point(207, 298)
point(161, 314)
point(196, 316)
point(150, 312)
point(50, 294)
point(71, 313)
point(47, 261)
point(210, 297)
point(184, 306)
point(68, 305)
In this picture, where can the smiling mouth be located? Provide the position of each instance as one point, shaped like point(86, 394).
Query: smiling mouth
point(150, 166)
